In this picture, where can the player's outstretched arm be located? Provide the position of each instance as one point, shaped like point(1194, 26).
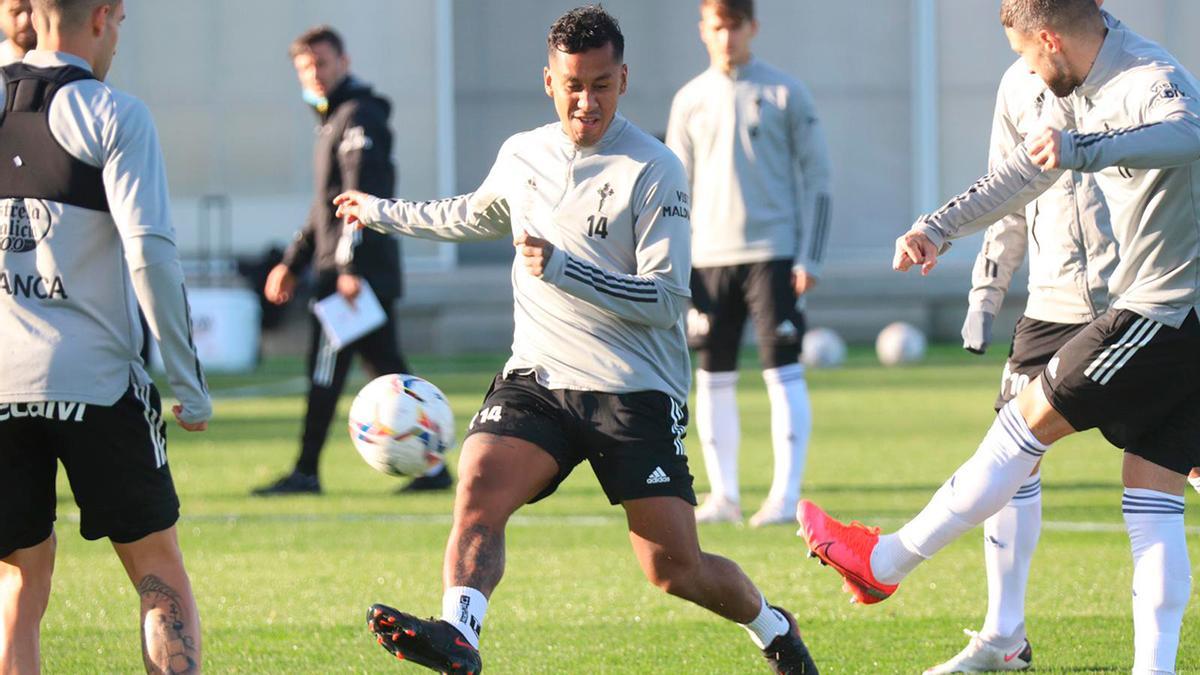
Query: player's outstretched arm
point(136, 185)
point(472, 217)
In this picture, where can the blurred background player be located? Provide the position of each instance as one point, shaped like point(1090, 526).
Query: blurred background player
point(17, 24)
point(353, 152)
point(89, 240)
point(599, 369)
point(1132, 372)
point(750, 140)
point(1068, 238)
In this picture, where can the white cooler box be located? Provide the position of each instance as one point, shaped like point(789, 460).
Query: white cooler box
point(225, 326)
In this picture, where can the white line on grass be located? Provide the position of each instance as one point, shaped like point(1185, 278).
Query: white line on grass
point(539, 520)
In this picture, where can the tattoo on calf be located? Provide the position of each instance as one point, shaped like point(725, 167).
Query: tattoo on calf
point(171, 638)
point(480, 561)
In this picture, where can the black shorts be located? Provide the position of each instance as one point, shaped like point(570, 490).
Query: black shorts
point(1134, 379)
point(724, 296)
point(1034, 343)
point(116, 462)
point(633, 441)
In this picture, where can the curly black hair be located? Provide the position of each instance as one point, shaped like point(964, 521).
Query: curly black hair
point(584, 28)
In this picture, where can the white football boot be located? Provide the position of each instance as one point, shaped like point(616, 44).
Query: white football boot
point(718, 510)
point(981, 657)
point(774, 513)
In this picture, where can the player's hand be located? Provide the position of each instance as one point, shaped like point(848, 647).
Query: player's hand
point(1045, 148)
point(187, 426)
point(280, 286)
point(349, 286)
point(350, 206)
point(535, 252)
point(914, 248)
point(803, 282)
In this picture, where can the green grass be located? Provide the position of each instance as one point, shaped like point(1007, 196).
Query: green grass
point(283, 584)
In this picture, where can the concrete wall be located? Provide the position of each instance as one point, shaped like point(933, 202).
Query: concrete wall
point(218, 80)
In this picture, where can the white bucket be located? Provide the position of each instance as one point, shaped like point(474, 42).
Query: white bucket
point(225, 327)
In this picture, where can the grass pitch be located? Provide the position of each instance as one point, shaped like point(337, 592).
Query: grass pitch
point(283, 584)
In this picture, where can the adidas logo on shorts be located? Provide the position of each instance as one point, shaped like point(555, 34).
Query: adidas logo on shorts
point(658, 476)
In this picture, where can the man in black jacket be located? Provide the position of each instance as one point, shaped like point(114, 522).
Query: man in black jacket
point(353, 152)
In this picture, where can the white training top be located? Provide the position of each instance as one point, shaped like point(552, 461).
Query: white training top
point(755, 152)
point(1135, 124)
point(607, 313)
point(1066, 230)
point(69, 300)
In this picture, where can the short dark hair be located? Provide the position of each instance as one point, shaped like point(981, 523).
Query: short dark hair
point(315, 36)
point(1029, 16)
point(739, 10)
point(70, 12)
point(585, 28)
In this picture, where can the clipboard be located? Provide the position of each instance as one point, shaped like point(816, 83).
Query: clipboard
point(344, 323)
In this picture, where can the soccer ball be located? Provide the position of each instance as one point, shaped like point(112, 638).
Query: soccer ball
point(823, 348)
point(401, 425)
point(899, 343)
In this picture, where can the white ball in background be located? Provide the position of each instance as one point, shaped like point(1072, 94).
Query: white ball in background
point(900, 343)
point(823, 348)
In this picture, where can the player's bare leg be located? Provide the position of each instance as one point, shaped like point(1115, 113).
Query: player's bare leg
point(170, 619)
point(24, 595)
point(663, 533)
point(497, 475)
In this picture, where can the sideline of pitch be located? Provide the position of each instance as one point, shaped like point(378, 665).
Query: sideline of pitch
point(540, 520)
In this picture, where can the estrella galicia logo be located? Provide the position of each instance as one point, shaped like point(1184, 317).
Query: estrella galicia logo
point(24, 223)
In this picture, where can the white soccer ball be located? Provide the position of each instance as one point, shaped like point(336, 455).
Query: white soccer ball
point(823, 348)
point(900, 343)
point(401, 425)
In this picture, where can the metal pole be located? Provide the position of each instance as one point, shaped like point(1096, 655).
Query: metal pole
point(925, 137)
point(446, 165)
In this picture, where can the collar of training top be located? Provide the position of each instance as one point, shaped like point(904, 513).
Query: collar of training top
point(1107, 61)
point(614, 130)
point(44, 58)
point(737, 72)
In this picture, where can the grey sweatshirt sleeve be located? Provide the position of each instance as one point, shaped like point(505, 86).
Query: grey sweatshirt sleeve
point(657, 294)
point(472, 217)
point(136, 184)
point(158, 284)
point(813, 175)
point(1166, 132)
point(480, 215)
point(1005, 241)
point(1009, 186)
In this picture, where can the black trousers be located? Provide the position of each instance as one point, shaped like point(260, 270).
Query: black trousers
point(327, 370)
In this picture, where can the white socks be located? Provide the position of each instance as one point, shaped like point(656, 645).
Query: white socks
point(791, 425)
point(1162, 580)
point(980, 487)
point(1009, 540)
point(768, 625)
point(720, 431)
point(463, 608)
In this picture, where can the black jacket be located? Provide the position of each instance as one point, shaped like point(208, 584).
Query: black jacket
point(353, 152)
